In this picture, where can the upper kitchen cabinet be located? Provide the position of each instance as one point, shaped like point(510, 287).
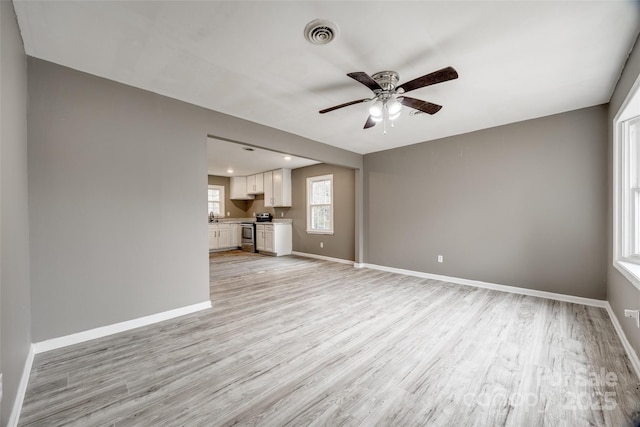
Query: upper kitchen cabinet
point(277, 188)
point(239, 189)
point(255, 184)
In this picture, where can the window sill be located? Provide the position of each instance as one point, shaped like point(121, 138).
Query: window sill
point(319, 232)
point(630, 271)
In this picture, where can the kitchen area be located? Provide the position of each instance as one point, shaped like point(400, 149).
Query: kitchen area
point(249, 198)
point(257, 203)
point(261, 233)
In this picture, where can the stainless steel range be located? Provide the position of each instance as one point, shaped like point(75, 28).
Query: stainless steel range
point(248, 236)
point(249, 231)
point(263, 217)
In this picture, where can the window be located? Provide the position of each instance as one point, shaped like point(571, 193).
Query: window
point(320, 204)
point(216, 200)
point(630, 249)
point(626, 250)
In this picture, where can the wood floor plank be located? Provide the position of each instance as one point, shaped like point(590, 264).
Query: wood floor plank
point(296, 341)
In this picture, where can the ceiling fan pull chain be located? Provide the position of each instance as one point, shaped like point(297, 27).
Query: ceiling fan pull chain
point(385, 125)
point(385, 116)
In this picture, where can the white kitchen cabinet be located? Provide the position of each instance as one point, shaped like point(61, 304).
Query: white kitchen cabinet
point(236, 235)
point(259, 183)
point(219, 236)
point(275, 238)
point(213, 236)
point(260, 237)
point(239, 189)
point(224, 236)
point(255, 184)
point(277, 188)
point(269, 238)
point(267, 181)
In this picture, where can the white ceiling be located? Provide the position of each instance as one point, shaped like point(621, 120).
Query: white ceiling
point(516, 59)
point(224, 155)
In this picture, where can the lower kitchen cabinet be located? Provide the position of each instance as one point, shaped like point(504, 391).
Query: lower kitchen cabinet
point(275, 238)
point(224, 236)
point(236, 236)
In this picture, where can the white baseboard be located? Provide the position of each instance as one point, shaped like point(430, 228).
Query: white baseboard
point(67, 340)
point(22, 389)
point(322, 257)
point(633, 356)
point(494, 286)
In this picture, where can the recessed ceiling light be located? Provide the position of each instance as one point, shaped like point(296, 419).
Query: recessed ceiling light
point(229, 170)
point(247, 148)
point(287, 157)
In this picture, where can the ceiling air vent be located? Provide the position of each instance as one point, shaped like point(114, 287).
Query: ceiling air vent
point(320, 31)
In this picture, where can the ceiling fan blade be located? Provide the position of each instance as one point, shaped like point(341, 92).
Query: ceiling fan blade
point(346, 104)
point(370, 123)
point(417, 104)
point(365, 79)
point(448, 73)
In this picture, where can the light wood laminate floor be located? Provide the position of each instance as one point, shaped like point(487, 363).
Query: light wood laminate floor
point(294, 342)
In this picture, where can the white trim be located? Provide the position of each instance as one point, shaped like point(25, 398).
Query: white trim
point(322, 257)
point(633, 356)
point(630, 271)
point(629, 108)
point(220, 188)
point(310, 181)
point(91, 334)
point(494, 286)
point(14, 417)
point(319, 232)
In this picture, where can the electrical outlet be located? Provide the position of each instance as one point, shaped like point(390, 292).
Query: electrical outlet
point(633, 314)
point(228, 213)
point(281, 214)
point(322, 244)
point(440, 258)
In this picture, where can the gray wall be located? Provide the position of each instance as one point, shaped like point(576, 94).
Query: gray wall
point(235, 208)
point(15, 309)
point(520, 205)
point(341, 243)
point(116, 191)
point(620, 293)
point(257, 205)
point(117, 185)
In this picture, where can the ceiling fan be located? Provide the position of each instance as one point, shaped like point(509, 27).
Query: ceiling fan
point(388, 98)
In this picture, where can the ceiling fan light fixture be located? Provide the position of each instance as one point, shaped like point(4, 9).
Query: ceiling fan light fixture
point(393, 107)
point(388, 98)
point(376, 109)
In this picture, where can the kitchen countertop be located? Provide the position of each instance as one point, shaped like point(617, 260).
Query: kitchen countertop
point(240, 220)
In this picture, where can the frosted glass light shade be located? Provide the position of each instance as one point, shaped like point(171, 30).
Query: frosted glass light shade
point(393, 106)
point(376, 109)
